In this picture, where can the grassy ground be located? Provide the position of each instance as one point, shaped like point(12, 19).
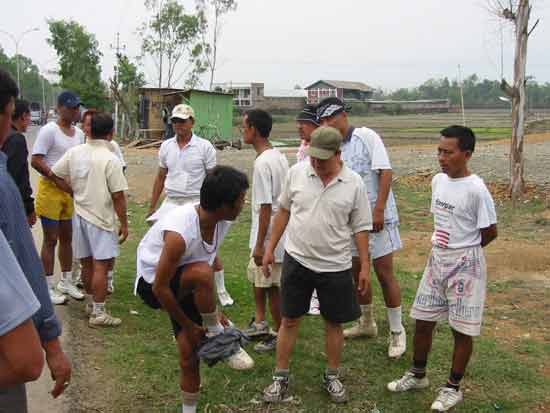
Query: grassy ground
point(144, 364)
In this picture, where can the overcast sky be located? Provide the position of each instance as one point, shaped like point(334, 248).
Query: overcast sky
point(388, 44)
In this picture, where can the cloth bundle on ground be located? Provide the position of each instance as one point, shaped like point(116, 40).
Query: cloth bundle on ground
point(222, 346)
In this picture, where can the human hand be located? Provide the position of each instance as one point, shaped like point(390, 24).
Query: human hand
point(122, 233)
point(258, 255)
point(377, 219)
point(267, 261)
point(59, 365)
point(363, 281)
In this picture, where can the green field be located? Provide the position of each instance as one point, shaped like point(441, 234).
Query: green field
point(141, 356)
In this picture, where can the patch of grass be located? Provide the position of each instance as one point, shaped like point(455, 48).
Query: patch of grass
point(144, 356)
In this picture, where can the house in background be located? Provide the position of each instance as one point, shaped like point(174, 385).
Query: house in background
point(345, 90)
point(253, 95)
point(245, 95)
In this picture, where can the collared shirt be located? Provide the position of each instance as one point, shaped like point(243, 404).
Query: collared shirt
point(95, 173)
point(186, 166)
point(15, 147)
point(13, 224)
point(364, 152)
point(323, 217)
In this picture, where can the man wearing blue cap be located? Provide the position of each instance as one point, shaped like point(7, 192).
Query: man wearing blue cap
point(53, 206)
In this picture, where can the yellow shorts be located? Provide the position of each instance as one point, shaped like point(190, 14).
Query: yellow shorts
point(51, 202)
point(259, 280)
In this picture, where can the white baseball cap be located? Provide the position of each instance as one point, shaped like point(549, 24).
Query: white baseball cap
point(183, 112)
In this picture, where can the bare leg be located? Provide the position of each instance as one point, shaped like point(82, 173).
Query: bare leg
point(383, 266)
point(275, 306)
point(423, 336)
point(99, 280)
point(285, 341)
point(87, 273)
point(49, 241)
point(334, 343)
point(260, 301)
point(462, 352)
point(65, 250)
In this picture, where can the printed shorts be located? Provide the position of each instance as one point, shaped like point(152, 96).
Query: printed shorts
point(453, 288)
point(51, 202)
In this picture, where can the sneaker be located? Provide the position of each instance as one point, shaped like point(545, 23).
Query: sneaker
point(398, 344)
point(335, 388)
point(277, 391)
point(269, 344)
point(240, 360)
point(255, 330)
point(225, 298)
point(103, 320)
point(408, 382)
point(56, 297)
point(314, 306)
point(446, 399)
point(362, 328)
point(67, 287)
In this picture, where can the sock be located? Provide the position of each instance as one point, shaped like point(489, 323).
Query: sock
point(51, 281)
point(210, 321)
point(331, 372)
point(66, 276)
point(367, 310)
point(394, 319)
point(110, 276)
point(281, 373)
point(99, 308)
point(454, 380)
point(190, 401)
point(419, 368)
point(219, 277)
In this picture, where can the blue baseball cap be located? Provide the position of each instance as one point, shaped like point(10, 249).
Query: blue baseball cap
point(68, 99)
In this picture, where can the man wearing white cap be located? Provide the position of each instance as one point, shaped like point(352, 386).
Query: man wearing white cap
point(184, 161)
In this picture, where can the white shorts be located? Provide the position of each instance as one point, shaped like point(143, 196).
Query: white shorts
point(453, 288)
point(259, 280)
point(91, 241)
point(169, 204)
point(381, 243)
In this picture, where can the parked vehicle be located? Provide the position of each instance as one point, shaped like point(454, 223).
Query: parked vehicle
point(36, 113)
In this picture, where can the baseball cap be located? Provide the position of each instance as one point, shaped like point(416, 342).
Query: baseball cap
point(68, 99)
point(183, 111)
point(331, 106)
point(308, 114)
point(325, 142)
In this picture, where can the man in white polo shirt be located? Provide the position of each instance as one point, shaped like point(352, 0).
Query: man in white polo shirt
point(322, 203)
point(184, 161)
point(363, 151)
point(98, 185)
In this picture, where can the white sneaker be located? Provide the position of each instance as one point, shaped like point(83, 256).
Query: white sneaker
point(362, 328)
point(446, 399)
point(314, 306)
point(408, 382)
point(398, 344)
point(240, 360)
point(103, 320)
point(56, 297)
point(67, 287)
point(225, 298)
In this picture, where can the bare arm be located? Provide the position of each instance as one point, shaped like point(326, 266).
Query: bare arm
point(362, 241)
point(384, 186)
point(61, 183)
point(59, 365)
point(119, 203)
point(174, 248)
point(21, 356)
point(280, 221)
point(263, 226)
point(38, 162)
point(158, 187)
point(488, 235)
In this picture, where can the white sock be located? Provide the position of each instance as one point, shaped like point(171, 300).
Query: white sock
point(66, 276)
point(189, 408)
point(190, 401)
point(367, 310)
point(98, 308)
point(51, 281)
point(110, 276)
point(210, 321)
point(219, 277)
point(394, 319)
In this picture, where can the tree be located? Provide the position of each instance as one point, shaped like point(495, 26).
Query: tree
point(172, 34)
point(215, 10)
point(78, 55)
point(518, 13)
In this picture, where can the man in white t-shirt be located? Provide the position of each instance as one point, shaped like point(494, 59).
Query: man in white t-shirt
point(270, 169)
point(454, 282)
point(53, 206)
point(184, 161)
point(174, 271)
point(363, 151)
point(94, 174)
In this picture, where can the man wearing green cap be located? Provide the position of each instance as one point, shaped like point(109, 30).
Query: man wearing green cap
point(322, 202)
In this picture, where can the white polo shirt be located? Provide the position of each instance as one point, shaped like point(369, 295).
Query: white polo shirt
point(53, 143)
point(95, 173)
point(323, 217)
point(186, 166)
point(185, 221)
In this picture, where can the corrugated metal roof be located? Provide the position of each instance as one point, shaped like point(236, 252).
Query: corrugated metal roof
point(345, 84)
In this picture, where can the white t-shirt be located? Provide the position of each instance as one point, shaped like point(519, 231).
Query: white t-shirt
point(461, 207)
point(53, 143)
point(185, 221)
point(366, 154)
point(270, 170)
point(186, 166)
point(118, 153)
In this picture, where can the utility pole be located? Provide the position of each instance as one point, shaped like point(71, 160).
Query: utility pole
point(16, 41)
point(461, 86)
point(117, 48)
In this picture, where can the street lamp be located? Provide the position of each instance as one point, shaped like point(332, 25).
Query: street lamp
point(17, 40)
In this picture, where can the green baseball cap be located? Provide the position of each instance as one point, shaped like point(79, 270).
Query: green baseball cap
point(325, 142)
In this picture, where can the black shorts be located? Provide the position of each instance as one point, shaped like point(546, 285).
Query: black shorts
point(335, 290)
point(186, 302)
